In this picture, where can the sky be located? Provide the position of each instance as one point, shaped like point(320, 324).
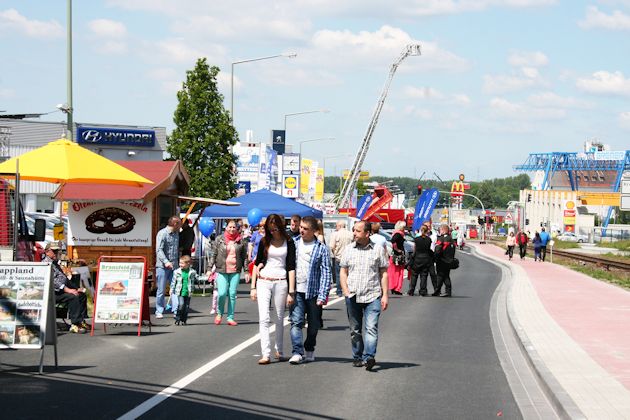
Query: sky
point(495, 81)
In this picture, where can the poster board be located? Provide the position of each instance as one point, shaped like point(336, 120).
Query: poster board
point(25, 305)
point(120, 291)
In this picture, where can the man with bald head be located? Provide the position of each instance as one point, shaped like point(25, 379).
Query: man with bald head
point(339, 239)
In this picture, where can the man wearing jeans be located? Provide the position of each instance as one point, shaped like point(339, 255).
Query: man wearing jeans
point(167, 255)
point(312, 281)
point(364, 284)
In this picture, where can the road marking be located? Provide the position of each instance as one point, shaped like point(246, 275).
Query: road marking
point(196, 374)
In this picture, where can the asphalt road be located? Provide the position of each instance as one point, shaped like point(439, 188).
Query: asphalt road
point(435, 359)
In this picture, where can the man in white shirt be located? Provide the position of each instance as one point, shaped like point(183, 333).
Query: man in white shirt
point(376, 238)
point(364, 284)
point(339, 239)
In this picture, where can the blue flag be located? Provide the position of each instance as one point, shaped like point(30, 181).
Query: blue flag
point(433, 197)
point(420, 205)
point(364, 205)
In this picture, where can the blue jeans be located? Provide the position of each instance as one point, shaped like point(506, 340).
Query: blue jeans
point(301, 309)
point(163, 276)
point(363, 345)
point(337, 274)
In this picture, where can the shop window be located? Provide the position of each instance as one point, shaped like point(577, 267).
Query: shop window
point(166, 209)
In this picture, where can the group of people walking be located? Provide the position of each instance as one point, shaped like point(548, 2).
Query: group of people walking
point(521, 239)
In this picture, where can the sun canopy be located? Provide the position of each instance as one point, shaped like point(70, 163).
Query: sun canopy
point(268, 202)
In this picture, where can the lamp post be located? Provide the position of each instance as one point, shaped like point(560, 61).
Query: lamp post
point(69, 110)
point(301, 113)
point(288, 55)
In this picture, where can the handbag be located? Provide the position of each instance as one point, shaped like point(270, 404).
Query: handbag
point(454, 265)
point(399, 260)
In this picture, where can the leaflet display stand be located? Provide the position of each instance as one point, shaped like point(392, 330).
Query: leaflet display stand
point(27, 308)
point(120, 292)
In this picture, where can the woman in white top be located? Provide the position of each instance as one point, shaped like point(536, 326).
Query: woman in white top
point(273, 277)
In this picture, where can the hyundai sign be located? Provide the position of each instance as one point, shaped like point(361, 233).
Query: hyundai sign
point(115, 137)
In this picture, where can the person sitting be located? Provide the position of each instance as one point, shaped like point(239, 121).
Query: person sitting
point(64, 293)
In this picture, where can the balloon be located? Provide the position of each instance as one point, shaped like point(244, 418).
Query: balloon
point(254, 216)
point(206, 226)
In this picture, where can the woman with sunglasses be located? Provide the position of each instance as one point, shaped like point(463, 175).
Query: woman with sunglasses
point(273, 277)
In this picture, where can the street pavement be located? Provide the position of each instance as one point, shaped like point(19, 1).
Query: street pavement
point(575, 331)
point(436, 359)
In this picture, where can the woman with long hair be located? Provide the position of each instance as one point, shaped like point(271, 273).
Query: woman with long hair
point(273, 277)
point(396, 268)
point(228, 254)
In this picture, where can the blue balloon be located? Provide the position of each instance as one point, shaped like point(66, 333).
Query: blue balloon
point(254, 216)
point(206, 226)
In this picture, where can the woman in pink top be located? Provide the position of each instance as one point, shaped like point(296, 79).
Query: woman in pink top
point(228, 255)
point(510, 242)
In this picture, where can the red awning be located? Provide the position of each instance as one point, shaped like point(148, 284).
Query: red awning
point(163, 173)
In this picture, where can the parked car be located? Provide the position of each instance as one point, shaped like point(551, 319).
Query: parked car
point(409, 243)
point(572, 237)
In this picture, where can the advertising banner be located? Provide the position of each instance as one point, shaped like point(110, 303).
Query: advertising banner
point(568, 212)
point(420, 205)
point(109, 224)
point(433, 195)
point(278, 139)
point(305, 176)
point(25, 296)
point(363, 205)
point(119, 292)
point(319, 185)
point(290, 186)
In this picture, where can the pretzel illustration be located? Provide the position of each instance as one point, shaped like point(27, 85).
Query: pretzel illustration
point(110, 220)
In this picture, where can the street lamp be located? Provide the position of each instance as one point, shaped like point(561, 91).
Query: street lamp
point(301, 113)
point(69, 111)
point(310, 140)
point(288, 55)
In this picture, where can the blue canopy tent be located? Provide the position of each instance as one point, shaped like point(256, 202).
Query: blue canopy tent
point(268, 202)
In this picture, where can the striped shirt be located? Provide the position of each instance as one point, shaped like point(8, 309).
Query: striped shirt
point(364, 264)
point(319, 271)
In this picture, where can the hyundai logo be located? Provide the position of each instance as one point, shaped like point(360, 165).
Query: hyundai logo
point(91, 136)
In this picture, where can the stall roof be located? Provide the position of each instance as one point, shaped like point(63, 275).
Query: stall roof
point(268, 202)
point(162, 173)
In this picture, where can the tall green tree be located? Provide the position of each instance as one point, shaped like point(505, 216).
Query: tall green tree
point(203, 136)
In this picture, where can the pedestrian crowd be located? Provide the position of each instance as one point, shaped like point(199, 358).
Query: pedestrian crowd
point(539, 241)
point(295, 268)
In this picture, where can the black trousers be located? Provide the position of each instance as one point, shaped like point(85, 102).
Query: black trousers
point(182, 308)
point(510, 251)
point(522, 250)
point(543, 250)
point(443, 278)
point(77, 305)
point(423, 273)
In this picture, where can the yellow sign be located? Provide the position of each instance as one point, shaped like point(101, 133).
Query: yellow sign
point(363, 176)
point(319, 185)
point(290, 182)
point(305, 178)
point(58, 232)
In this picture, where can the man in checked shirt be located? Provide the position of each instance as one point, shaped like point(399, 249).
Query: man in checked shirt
point(364, 284)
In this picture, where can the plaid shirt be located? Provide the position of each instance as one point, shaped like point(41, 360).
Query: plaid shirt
point(319, 272)
point(166, 247)
point(364, 266)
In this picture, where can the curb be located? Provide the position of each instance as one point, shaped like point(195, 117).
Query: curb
point(557, 395)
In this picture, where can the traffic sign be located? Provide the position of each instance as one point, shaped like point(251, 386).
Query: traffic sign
point(508, 218)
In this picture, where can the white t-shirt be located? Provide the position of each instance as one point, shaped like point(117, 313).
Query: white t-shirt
point(303, 265)
point(276, 266)
point(378, 239)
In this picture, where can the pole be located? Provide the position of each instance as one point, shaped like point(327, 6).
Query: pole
point(70, 134)
point(232, 94)
point(483, 210)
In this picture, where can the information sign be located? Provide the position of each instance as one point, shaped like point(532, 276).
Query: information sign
point(290, 186)
point(119, 292)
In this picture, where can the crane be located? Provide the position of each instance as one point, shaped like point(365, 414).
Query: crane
point(353, 177)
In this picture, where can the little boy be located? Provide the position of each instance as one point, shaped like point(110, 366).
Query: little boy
point(183, 279)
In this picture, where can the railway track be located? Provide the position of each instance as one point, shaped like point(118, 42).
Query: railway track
point(604, 263)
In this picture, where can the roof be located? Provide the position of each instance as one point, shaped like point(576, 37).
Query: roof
point(266, 201)
point(162, 173)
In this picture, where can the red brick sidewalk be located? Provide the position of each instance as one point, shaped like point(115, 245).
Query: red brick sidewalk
point(596, 315)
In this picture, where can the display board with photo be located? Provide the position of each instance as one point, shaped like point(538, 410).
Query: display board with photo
point(25, 293)
point(119, 292)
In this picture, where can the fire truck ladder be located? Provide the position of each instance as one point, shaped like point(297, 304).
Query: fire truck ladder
point(353, 176)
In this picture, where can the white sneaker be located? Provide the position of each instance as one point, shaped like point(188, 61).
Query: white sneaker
point(296, 359)
point(159, 316)
point(310, 356)
point(212, 312)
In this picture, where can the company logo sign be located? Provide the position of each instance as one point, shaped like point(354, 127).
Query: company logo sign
point(116, 137)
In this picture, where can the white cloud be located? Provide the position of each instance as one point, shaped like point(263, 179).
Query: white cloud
point(624, 120)
point(432, 94)
point(381, 48)
point(12, 20)
point(528, 59)
point(520, 111)
point(605, 83)
point(550, 99)
point(597, 19)
point(499, 84)
point(107, 28)
point(180, 51)
point(6, 94)
point(413, 111)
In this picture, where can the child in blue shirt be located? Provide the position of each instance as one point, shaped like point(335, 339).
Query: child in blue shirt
point(182, 286)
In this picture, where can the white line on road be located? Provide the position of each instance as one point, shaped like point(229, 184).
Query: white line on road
point(196, 374)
